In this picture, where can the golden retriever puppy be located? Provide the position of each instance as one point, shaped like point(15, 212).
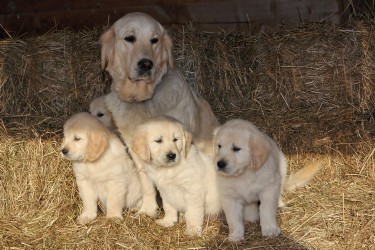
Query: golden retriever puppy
point(184, 176)
point(99, 109)
point(137, 52)
point(251, 170)
point(102, 167)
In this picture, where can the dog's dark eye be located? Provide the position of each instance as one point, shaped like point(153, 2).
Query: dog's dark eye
point(236, 149)
point(154, 40)
point(130, 39)
point(175, 139)
point(99, 114)
point(219, 146)
point(159, 140)
point(76, 138)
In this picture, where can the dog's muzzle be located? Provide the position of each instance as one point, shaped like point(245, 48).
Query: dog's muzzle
point(64, 151)
point(221, 165)
point(171, 157)
point(145, 67)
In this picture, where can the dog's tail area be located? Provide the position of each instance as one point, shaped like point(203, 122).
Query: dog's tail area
point(302, 177)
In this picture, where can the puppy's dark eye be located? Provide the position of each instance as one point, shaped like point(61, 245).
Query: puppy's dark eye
point(76, 138)
point(236, 149)
point(99, 114)
point(175, 139)
point(159, 140)
point(130, 39)
point(154, 40)
point(219, 146)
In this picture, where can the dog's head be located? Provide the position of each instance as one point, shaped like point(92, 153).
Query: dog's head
point(137, 52)
point(99, 109)
point(85, 138)
point(239, 145)
point(161, 142)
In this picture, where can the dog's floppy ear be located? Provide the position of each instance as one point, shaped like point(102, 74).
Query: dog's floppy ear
point(188, 137)
point(97, 144)
point(140, 147)
point(259, 150)
point(168, 51)
point(108, 40)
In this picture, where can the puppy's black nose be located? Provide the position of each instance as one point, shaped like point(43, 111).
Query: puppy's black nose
point(171, 156)
point(221, 164)
point(144, 66)
point(65, 151)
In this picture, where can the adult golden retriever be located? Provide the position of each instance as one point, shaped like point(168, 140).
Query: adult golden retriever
point(103, 169)
point(137, 52)
point(184, 176)
point(252, 169)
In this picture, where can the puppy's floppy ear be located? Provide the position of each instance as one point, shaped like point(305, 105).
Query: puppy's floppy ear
point(167, 52)
point(186, 143)
point(259, 150)
point(214, 133)
point(140, 147)
point(97, 144)
point(108, 40)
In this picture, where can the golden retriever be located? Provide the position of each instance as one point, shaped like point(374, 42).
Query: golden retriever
point(252, 169)
point(99, 109)
point(102, 167)
point(137, 52)
point(184, 176)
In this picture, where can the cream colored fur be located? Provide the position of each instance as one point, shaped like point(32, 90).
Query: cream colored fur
point(103, 170)
point(184, 176)
point(138, 95)
point(251, 169)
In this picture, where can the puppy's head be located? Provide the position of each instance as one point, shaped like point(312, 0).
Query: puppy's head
point(85, 138)
point(137, 52)
point(161, 142)
point(99, 109)
point(239, 146)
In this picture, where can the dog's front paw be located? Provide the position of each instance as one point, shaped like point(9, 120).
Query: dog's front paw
point(149, 208)
point(166, 222)
point(193, 231)
point(152, 212)
point(85, 218)
point(270, 231)
point(114, 216)
point(235, 237)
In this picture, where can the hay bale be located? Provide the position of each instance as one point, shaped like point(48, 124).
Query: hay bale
point(309, 87)
point(47, 78)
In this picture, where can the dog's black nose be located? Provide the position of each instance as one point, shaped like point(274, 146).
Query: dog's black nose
point(171, 156)
point(65, 151)
point(144, 66)
point(221, 164)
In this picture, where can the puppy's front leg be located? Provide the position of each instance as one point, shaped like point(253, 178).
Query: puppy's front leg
point(268, 212)
point(149, 205)
point(170, 215)
point(115, 202)
point(194, 216)
point(234, 214)
point(89, 199)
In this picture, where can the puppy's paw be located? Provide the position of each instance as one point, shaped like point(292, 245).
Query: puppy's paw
point(85, 218)
point(270, 231)
point(235, 237)
point(166, 222)
point(193, 231)
point(114, 216)
point(151, 211)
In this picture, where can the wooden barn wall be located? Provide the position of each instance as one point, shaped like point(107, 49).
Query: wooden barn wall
point(27, 17)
